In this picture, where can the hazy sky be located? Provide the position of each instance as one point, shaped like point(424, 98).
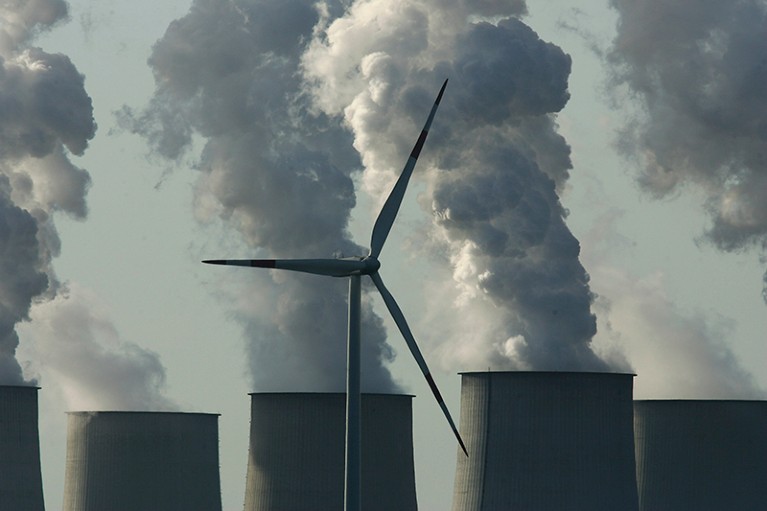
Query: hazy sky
point(664, 196)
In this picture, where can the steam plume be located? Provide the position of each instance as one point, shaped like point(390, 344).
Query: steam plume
point(494, 166)
point(275, 171)
point(276, 87)
point(46, 114)
point(72, 342)
point(698, 71)
point(676, 354)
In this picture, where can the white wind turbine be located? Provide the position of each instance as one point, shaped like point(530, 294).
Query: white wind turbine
point(354, 268)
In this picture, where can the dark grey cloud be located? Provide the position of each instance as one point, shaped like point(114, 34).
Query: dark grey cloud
point(676, 353)
point(21, 20)
point(493, 165)
point(45, 114)
point(508, 72)
point(21, 277)
point(697, 70)
point(275, 170)
point(43, 103)
point(501, 207)
point(72, 342)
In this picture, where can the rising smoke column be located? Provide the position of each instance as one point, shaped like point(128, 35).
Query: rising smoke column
point(46, 114)
point(273, 170)
point(494, 166)
point(71, 341)
point(698, 71)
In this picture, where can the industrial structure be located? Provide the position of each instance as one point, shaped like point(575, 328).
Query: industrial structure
point(128, 461)
point(546, 441)
point(296, 454)
point(537, 441)
point(21, 482)
point(702, 455)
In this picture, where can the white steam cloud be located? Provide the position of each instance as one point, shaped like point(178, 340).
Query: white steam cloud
point(676, 354)
point(278, 173)
point(699, 72)
point(45, 114)
point(71, 341)
point(282, 92)
point(494, 165)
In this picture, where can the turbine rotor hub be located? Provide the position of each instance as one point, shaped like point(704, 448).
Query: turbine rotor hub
point(372, 264)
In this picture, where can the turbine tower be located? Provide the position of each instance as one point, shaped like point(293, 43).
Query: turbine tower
point(354, 268)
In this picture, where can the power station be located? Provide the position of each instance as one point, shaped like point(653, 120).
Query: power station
point(296, 454)
point(703, 455)
point(546, 441)
point(129, 461)
point(537, 441)
point(21, 482)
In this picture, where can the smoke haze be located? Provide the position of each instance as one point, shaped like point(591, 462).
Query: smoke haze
point(72, 342)
point(46, 114)
point(281, 92)
point(493, 167)
point(698, 71)
point(676, 352)
point(276, 172)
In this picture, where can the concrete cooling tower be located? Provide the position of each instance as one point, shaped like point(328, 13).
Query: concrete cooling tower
point(546, 441)
point(698, 455)
point(296, 455)
point(141, 461)
point(21, 483)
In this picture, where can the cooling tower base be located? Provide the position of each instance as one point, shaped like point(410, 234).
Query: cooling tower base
point(546, 441)
point(701, 455)
point(296, 455)
point(21, 483)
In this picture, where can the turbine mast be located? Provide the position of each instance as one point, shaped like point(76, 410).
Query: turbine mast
point(353, 483)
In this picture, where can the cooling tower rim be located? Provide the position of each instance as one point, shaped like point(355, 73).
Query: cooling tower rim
point(391, 394)
point(608, 373)
point(713, 401)
point(140, 412)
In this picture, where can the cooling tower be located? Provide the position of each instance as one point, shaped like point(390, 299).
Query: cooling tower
point(701, 455)
point(138, 461)
point(296, 455)
point(21, 484)
point(546, 441)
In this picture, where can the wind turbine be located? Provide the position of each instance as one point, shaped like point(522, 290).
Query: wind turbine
point(354, 268)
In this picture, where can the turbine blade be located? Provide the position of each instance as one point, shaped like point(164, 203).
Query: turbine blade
point(390, 208)
point(328, 267)
point(399, 319)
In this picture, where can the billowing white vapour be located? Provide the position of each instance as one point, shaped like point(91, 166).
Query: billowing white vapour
point(699, 71)
point(72, 343)
point(277, 172)
point(494, 166)
point(46, 114)
point(281, 90)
